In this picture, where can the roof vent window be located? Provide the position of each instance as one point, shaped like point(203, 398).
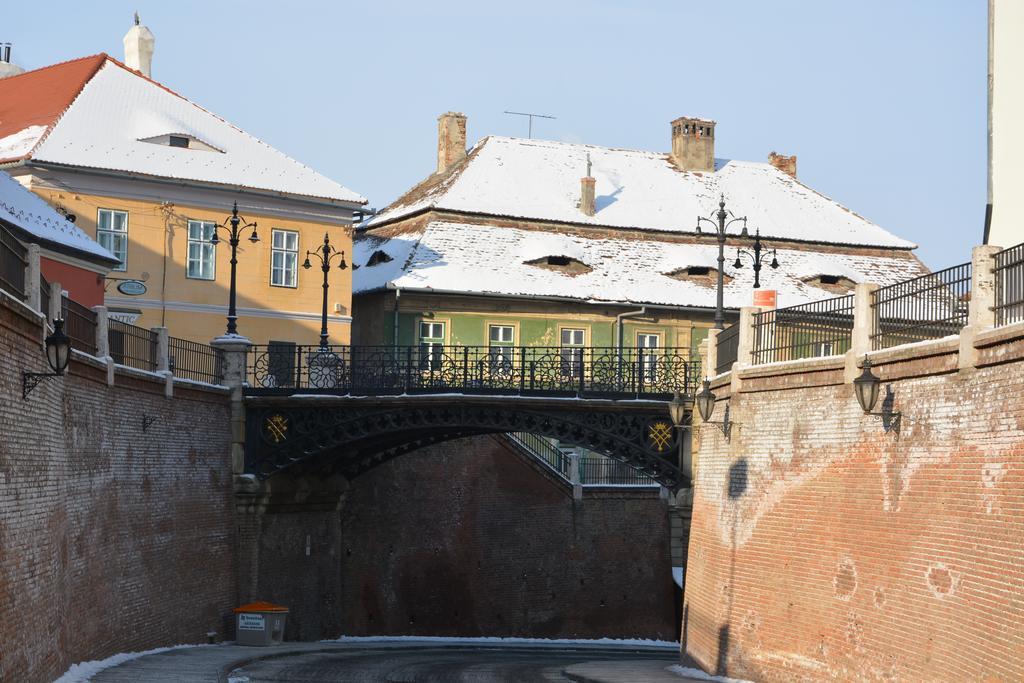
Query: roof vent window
point(703, 275)
point(181, 141)
point(177, 141)
point(378, 257)
point(562, 264)
point(836, 284)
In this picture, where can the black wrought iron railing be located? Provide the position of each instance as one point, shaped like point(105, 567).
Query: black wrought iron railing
point(931, 306)
point(728, 346)
point(811, 330)
point(1009, 276)
point(568, 371)
point(132, 345)
point(79, 325)
point(195, 361)
point(596, 470)
point(44, 296)
point(13, 259)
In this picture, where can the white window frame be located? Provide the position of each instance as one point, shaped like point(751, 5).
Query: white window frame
point(571, 352)
point(431, 344)
point(289, 263)
point(499, 349)
point(114, 239)
point(648, 354)
point(206, 248)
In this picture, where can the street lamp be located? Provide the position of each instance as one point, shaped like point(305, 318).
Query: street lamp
point(756, 258)
point(325, 254)
point(866, 387)
point(677, 411)
point(58, 353)
point(234, 225)
point(705, 400)
point(721, 221)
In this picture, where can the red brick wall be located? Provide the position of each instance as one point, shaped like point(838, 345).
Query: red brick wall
point(467, 538)
point(824, 548)
point(111, 538)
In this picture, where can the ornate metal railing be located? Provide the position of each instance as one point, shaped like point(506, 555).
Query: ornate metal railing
point(195, 361)
point(13, 260)
point(811, 330)
point(44, 296)
point(728, 347)
point(1009, 276)
point(131, 345)
point(575, 371)
point(931, 306)
point(79, 325)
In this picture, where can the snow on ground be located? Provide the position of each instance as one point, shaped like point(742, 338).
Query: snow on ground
point(491, 640)
point(84, 671)
point(687, 672)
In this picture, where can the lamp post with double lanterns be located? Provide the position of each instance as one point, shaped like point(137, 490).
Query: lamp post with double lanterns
point(756, 259)
point(721, 220)
point(58, 353)
point(325, 254)
point(677, 411)
point(234, 224)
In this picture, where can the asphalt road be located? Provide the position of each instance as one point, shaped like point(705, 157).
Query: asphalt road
point(441, 664)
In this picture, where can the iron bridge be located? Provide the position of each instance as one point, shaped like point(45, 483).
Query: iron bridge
point(348, 409)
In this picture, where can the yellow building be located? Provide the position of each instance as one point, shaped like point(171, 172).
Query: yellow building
point(150, 174)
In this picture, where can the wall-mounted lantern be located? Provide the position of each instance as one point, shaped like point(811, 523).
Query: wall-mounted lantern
point(866, 386)
point(705, 400)
point(58, 353)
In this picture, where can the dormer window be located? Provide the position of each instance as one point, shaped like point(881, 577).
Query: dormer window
point(181, 141)
point(702, 275)
point(838, 284)
point(566, 265)
point(378, 257)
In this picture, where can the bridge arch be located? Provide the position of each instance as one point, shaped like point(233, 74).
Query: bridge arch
point(354, 435)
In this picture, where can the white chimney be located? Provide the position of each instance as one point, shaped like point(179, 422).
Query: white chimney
point(138, 48)
point(6, 67)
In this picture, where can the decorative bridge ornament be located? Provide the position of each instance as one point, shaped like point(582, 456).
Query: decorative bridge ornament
point(348, 409)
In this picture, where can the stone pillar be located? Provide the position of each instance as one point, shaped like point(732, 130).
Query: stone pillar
point(863, 327)
point(162, 358)
point(745, 354)
point(234, 351)
point(711, 354)
point(103, 341)
point(574, 475)
point(32, 273)
point(980, 314)
point(56, 304)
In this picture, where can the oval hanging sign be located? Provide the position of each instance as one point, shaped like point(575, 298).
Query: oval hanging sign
point(132, 287)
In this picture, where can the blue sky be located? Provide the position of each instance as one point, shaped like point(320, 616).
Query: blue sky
point(883, 102)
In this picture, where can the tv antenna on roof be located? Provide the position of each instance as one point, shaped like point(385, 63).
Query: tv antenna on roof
point(530, 116)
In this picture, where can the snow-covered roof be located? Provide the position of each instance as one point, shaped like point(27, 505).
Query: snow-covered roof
point(540, 180)
point(481, 259)
point(32, 214)
point(106, 116)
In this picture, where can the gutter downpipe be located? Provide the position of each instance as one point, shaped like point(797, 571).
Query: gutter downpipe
point(618, 325)
point(394, 325)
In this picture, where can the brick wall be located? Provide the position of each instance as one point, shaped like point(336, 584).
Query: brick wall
point(825, 548)
point(469, 538)
point(112, 538)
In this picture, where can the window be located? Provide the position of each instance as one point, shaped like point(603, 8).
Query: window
point(284, 258)
point(177, 141)
point(823, 349)
point(112, 233)
point(281, 364)
point(202, 253)
point(647, 348)
point(431, 345)
point(571, 352)
point(500, 338)
point(378, 257)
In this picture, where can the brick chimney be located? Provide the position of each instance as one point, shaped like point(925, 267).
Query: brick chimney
point(587, 185)
point(451, 139)
point(785, 164)
point(693, 144)
point(139, 43)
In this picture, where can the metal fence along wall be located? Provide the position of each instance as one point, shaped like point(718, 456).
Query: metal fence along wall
point(13, 259)
point(195, 361)
point(1009, 276)
point(388, 369)
point(728, 346)
point(931, 306)
point(79, 325)
point(812, 330)
point(132, 345)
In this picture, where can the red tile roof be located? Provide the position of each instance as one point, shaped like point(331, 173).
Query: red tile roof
point(39, 97)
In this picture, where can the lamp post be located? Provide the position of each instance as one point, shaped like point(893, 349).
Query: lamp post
point(677, 411)
point(705, 400)
point(756, 258)
point(325, 254)
point(234, 225)
point(721, 221)
point(58, 353)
